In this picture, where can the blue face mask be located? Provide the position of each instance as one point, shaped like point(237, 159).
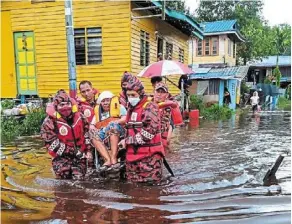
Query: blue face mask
point(134, 101)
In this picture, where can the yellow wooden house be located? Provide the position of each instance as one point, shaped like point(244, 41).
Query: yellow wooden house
point(110, 37)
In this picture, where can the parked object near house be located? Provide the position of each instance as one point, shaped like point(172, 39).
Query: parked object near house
point(211, 82)
point(110, 38)
point(218, 48)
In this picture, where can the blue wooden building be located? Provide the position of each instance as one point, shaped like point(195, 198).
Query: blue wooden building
point(211, 83)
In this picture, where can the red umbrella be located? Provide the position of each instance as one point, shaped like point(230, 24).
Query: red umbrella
point(165, 68)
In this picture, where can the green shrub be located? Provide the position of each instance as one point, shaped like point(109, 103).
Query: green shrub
point(7, 104)
point(284, 103)
point(215, 112)
point(196, 102)
point(12, 127)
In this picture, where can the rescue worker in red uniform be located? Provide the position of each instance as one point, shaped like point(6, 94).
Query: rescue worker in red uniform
point(145, 152)
point(167, 105)
point(65, 133)
point(87, 102)
point(124, 82)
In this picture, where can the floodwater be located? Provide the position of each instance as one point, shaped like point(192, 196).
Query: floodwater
point(219, 169)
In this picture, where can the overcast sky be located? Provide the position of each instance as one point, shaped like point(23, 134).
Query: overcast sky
point(275, 11)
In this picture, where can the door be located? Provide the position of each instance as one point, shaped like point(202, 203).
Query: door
point(25, 63)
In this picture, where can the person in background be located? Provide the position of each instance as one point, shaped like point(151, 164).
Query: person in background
point(166, 104)
point(155, 80)
point(144, 149)
point(227, 98)
point(159, 57)
point(87, 102)
point(65, 133)
point(107, 128)
point(254, 101)
point(124, 82)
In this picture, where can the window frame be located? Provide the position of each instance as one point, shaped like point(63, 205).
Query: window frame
point(202, 43)
point(86, 36)
point(207, 38)
point(181, 55)
point(203, 46)
point(167, 44)
point(144, 40)
point(217, 45)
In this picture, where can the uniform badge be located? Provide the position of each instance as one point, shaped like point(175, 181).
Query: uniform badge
point(87, 113)
point(134, 116)
point(63, 130)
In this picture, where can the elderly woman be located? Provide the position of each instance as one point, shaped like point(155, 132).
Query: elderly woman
point(145, 152)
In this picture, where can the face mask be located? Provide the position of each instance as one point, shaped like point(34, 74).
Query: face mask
point(65, 111)
point(134, 101)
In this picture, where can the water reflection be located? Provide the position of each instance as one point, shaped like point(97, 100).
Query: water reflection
point(219, 169)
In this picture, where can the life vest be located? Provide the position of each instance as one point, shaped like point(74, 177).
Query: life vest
point(87, 109)
point(134, 126)
point(70, 135)
point(114, 113)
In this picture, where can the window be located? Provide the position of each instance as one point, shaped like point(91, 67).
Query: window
point(144, 48)
point(229, 47)
point(214, 45)
point(169, 48)
point(200, 48)
point(207, 46)
point(181, 57)
point(214, 87)
point(88, 46)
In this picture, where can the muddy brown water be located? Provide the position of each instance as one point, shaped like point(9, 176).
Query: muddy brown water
point(219, 168)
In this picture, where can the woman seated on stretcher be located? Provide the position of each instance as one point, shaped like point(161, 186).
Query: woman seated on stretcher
point(107, 128)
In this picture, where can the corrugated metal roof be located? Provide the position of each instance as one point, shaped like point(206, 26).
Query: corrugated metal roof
point(271, 61)
point(218, 26)
point(220, 73)
point(180, 16)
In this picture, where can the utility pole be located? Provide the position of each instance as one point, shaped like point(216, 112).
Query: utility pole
point(70, 48)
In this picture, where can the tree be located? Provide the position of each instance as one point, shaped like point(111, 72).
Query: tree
point(250, 21)
point(277, 74)
point(178, 5)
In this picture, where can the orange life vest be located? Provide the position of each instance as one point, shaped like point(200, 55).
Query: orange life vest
point(134, 126)
point(114, 113)
point(71, 135)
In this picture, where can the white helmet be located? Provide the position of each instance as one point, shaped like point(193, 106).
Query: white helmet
point(104, 95)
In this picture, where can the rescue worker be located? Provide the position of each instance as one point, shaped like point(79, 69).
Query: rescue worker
point(87, 102)
point(107, 128)
point(124, 82)
point(65, 133)
point(144, 149)
point(167, 107)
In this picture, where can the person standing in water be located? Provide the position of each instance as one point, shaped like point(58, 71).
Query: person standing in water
point(145, 152)
point(254, 101)
point(65, 133)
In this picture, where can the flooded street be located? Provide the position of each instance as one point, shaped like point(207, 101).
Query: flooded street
point(219, 170)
